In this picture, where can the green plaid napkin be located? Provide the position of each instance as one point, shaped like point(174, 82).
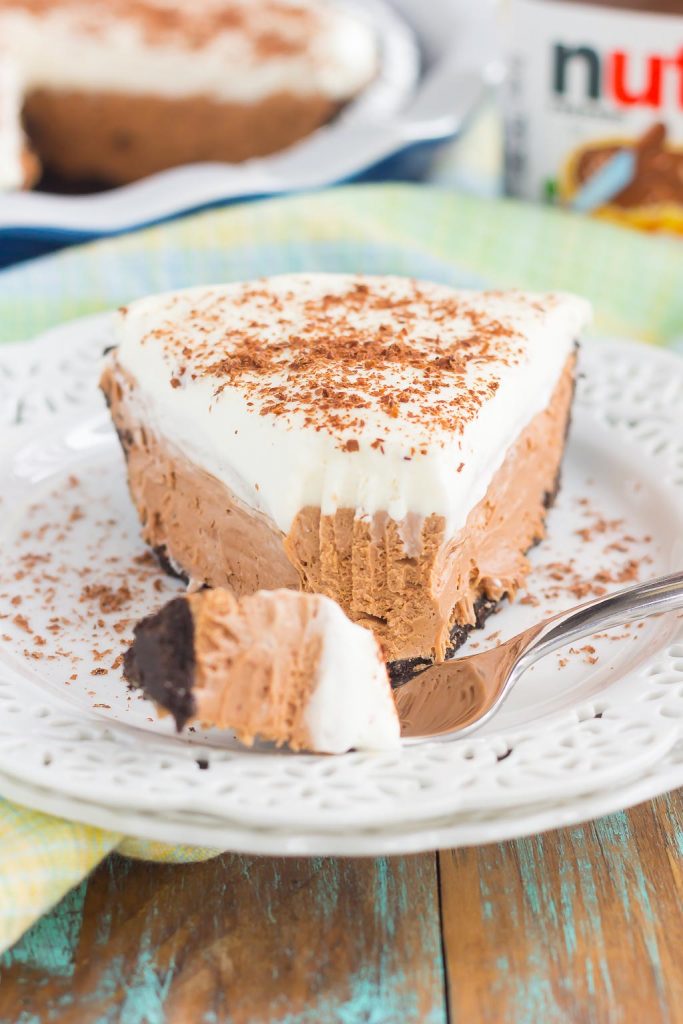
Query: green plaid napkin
point(635, 281)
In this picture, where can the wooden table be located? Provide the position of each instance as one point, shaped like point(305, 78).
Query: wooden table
point(580, 925)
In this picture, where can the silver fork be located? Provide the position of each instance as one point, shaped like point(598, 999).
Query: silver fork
point(458, 696)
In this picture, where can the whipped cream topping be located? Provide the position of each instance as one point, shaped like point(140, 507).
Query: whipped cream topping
point(232, 50)
point(335, 391)
point(11, 134)
point(351, 706)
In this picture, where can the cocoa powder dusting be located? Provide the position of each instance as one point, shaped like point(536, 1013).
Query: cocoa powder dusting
point(57, 600)
point(107, 598)
point(622, 558)
point(410, 352)
point(267, 28)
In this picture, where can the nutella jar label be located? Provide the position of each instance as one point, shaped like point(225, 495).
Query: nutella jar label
point(594, 110)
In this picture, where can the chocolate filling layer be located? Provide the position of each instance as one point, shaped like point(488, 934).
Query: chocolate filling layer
point(169, 636)
point(107, 138)
point(404, 670)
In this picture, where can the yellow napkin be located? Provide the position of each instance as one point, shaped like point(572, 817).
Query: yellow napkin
point(43, 857)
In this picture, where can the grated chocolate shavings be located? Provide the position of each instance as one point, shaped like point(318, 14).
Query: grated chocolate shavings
point(400, 350)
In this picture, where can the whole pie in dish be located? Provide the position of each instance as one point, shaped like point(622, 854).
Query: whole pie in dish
point(392, 444)
point(113, 90)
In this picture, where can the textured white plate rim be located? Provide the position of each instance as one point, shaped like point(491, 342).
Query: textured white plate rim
point(442, 833)
point(661, 742)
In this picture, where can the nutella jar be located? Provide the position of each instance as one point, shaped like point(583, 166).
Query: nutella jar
point(594, 108)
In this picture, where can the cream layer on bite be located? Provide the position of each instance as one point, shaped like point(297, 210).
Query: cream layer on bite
point(237, 51)
point(277, 665)
point(392, 444)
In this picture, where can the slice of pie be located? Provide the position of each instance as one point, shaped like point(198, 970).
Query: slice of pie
point(390, 443)
point(276, 665)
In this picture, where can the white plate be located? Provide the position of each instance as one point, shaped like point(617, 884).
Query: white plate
point(572, 742)
point(407, 104)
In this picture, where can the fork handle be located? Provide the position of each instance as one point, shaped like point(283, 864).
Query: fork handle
point(663, 594)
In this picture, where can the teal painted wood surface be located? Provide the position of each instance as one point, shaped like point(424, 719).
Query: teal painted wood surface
point(239, 940)
point(579, 926)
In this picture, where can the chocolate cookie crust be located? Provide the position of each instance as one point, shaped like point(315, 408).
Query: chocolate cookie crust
point(162, 660)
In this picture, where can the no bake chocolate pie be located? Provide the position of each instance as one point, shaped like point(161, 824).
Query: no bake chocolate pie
point(277, 665)
point(390, 443)
point(113, 90)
